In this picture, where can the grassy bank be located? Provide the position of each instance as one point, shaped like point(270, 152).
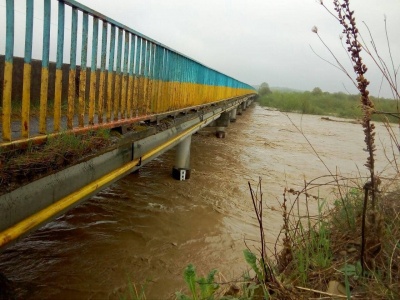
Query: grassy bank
point(20, 166)
point(316, 256)
point(331, 104)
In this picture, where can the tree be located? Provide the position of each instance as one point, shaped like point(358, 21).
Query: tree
point(264, 89)
point(316, 91)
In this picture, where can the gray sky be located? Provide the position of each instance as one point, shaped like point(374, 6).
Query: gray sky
point(259, 40)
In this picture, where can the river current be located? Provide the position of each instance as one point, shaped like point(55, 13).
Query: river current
point(148, 227)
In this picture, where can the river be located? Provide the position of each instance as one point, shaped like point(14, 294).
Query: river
point(147, 227)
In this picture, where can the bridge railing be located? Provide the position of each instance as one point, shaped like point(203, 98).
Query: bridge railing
point(122, 76)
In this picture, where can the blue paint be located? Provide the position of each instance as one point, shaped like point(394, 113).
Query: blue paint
point(126, 52)
point(138, 54)
point(60, 35)
point(153, 64)
point(119, 51)
point(9, 31)
point(85, 28)
point(104, 47)
point(132, 56)
point(158, 63)
point(46, 34)
point(112, 50)
point(28, 31)
point(143, 58)
point(95, 44)
point(170, 65)
point(148, 59)
point(74, 37)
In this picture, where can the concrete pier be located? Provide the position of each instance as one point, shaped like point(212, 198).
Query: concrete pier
point(239, 110)
point(233, 115)
point(181, 169)
point(222, 123)
point(244, 105)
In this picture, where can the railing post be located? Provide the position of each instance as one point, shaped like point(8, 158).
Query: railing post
point(44, 86)
point(8, 68)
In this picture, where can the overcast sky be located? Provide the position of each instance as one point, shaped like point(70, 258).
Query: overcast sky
point(259, 40)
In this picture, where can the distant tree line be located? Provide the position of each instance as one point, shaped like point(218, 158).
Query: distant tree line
point(264, 89)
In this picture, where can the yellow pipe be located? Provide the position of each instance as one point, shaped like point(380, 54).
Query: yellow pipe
point(40, 217)
point(44, 86)
point(26, 100)
point(57, 100)
point(7, 89)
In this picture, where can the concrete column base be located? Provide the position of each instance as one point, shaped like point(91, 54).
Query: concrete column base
point(233, 115)
point(181, 169)
point(220, 133)
point(180, 173)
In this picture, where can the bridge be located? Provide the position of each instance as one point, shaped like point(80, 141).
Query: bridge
point(104, 76)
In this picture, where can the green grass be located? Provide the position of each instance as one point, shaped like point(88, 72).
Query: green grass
point(335, 104)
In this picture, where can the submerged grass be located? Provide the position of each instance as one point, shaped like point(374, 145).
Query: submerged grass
point(332, 104)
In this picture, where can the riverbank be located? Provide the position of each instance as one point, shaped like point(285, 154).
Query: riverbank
point(328, 104)
point(320, 255)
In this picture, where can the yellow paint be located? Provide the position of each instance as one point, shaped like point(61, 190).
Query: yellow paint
point(82, 98)
point(110, 77)
point(129, 97)
point(145, 97)
point(7, 89)
point(101, 97)
point(117, 96)
point(44, 86)
point(26, 100)
point(150, 91)
point(71, 97)
point(123, 96)
point(135, 96)
point(140, 95)
point(153, 97)
point(92, 96)
point(158, 84)
point(57, 100)
point(51, 211)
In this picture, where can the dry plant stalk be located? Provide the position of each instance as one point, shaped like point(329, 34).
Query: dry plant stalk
point(371, 219)
point(347, 20)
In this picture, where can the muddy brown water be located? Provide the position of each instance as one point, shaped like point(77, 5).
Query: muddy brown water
point(147, 227)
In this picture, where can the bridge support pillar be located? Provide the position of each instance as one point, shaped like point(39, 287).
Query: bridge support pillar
point(244, 105)
point(222, 123)
point(181, 169)
point(233, 115)
point(239, 110)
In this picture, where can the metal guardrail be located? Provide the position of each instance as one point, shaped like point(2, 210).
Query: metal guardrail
point(130, 76)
